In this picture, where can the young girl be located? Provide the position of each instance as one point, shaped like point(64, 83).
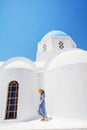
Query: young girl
point(42, 109)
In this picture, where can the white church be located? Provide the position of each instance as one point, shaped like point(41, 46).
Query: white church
point(60, 68)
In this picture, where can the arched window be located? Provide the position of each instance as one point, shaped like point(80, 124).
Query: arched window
point(12, 100)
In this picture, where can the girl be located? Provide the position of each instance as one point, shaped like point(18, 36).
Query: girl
point(42, 109)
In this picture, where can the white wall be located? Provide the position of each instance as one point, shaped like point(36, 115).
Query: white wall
point(28, 97)
point(66, 91)
point(44, 50)
point(67, 43)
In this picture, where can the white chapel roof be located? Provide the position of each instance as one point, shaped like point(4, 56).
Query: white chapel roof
point(1, 63)
point(69, 57)
point(19, 62)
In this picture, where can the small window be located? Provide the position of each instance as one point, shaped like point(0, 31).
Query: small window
point(61, 45)
point(44, 47)
point(12, 100)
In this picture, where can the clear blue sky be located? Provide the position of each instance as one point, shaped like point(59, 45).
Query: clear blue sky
point(23, 23)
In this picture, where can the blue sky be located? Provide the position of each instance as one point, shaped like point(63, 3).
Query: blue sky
point(23, 23)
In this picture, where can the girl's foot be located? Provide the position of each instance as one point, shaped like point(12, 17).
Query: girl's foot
point(46, 119)
point(43, 119)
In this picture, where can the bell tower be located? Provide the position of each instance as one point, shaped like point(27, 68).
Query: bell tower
point(54, 42)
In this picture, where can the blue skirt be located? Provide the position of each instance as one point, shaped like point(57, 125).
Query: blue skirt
point(42, 110)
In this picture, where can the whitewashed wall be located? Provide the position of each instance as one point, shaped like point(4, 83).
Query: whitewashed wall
point(28, 97)
point(66, 91)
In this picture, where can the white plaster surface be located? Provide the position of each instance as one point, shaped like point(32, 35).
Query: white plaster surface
point(28, 92)
point(53, 124)
point(66, 91)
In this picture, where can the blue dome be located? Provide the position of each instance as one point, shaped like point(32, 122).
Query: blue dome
point(55, 33)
